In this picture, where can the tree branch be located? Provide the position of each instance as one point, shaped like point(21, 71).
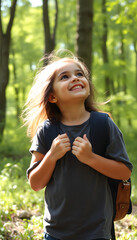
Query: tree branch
point(56, 20)
point(46, 21)
point(12, 15)
point(1, 31)
point(49, 38)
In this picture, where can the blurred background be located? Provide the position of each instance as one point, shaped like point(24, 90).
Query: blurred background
point(104, 34)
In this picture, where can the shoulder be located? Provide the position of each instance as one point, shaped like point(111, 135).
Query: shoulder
point(99, 120)
point(113, 128)
point(50, 131)
point(100, 114)
point(104, 118)
point(107, 121)
point(49, 123)
point(45, 125)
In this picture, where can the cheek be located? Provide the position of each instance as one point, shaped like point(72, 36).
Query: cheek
point(62, 87)
point(59, 90)
point(88, 88)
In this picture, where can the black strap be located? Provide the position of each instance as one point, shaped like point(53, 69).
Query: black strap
point(99, 132)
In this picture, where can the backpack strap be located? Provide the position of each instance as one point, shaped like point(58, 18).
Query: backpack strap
point(98, 132)
point(99, 135)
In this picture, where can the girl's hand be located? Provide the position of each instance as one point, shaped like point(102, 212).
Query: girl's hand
point(61, 145)
point(82, 149)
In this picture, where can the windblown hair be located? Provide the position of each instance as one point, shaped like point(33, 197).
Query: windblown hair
point(38, 108)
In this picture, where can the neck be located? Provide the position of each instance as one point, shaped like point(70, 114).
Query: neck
point(74, 115)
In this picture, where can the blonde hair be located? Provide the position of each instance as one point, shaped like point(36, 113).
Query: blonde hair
point(38, 108)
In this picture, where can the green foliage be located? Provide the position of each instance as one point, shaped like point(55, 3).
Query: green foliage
point(130, 136)
point(123, 105)
point(16, 194)
point(65, 36)
point(129, 236)
point(27, 234)
point(3, 231)
point(31, 229)
point(15, 190)
point(27, 47)
point(15, 159)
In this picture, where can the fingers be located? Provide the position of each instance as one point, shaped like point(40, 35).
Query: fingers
point(63, 137)
point(85, 137)
point(77, 144)
point(63, 142)
point(80, 140)
point(81, 146)
point(61, 145)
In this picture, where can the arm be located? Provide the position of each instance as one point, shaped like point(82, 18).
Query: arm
point(82, 149)
point(40, 176)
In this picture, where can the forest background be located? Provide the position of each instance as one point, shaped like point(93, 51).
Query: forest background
point(104, 34)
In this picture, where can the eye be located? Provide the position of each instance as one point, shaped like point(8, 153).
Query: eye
point(64, 77)
point(79, 74)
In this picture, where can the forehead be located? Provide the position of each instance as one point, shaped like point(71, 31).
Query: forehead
point(65, 66)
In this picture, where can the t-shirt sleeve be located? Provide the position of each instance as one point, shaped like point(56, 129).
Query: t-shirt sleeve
point(116, 148)
point(38, 143)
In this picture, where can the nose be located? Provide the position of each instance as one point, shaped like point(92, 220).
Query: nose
point(75, 78)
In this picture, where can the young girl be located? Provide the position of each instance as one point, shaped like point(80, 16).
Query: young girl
point(78, 201)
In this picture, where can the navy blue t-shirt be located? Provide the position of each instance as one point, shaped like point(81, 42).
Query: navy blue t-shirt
point(78, 201)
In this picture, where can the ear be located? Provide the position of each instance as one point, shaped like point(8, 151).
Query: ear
point(52, 98)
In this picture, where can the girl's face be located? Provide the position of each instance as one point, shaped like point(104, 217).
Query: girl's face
point(70, 84)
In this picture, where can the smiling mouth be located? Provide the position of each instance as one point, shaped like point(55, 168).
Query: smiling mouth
point(76, 87)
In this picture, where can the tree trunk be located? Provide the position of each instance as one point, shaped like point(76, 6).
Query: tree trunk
point(124, 76)
point(50, 38)
point(124, 87)
point(135, 49)
point(4, 61)
point(84, 31)
point(104, 48)
point(16, 87)
point(4, 78)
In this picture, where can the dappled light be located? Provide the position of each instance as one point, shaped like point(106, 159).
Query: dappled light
point(110, 52)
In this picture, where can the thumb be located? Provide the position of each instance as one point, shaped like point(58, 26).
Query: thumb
point(85, 137)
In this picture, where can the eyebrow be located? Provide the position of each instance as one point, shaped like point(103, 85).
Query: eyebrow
point(62, 73)
point(77, 70)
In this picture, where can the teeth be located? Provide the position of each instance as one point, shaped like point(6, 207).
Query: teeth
point(77, 87)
